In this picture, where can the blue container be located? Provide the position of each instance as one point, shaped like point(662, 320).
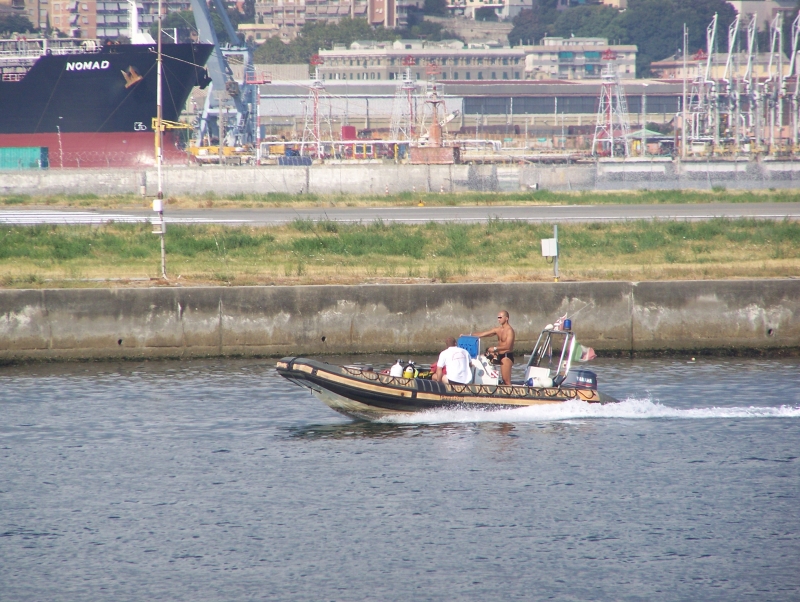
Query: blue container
point(472, 345)
point(24, 157)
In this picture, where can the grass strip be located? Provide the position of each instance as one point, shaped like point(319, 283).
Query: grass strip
point(541, 197)
point(326, 252)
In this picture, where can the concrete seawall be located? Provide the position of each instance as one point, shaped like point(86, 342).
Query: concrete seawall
point(377, 178)
point(619, 317)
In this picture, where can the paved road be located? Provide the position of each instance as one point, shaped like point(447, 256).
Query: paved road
point(582, 213)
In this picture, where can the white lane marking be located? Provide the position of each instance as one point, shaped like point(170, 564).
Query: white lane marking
point(77, 218)
point(91, 218)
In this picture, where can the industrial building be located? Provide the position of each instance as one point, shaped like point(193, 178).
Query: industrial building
point(554, 114)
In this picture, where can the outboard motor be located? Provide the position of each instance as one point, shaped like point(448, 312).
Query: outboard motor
point(580, 379)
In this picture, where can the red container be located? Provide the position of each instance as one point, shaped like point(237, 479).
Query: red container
point(348, 132)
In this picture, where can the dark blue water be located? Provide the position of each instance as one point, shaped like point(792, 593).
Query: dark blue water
point(218, 480)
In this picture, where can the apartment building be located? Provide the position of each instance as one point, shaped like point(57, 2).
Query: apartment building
point(578, 58)
point(76, 18)
point(34, 10)
point(289, 16)
point(448, 59)
point(467, 8)
point(672, 68)
point(91, 19)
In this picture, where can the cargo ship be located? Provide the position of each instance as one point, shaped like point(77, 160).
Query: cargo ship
point(91, 104)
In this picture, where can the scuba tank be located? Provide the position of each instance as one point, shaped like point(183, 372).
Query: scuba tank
point(397, 369)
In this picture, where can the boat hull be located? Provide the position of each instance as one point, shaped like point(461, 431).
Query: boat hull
point(95, 109)
point(368, 395)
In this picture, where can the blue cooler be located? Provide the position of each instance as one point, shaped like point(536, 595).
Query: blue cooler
point(472, 345)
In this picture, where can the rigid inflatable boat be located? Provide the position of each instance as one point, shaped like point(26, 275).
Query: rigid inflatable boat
point(360, 392)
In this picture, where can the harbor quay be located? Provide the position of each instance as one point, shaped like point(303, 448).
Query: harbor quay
point(620, 318)
point(390, 178)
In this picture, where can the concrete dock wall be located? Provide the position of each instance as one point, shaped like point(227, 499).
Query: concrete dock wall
point(620, 317)
point(377, 178)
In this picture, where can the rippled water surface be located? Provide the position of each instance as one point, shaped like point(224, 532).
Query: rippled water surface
point(218, 480)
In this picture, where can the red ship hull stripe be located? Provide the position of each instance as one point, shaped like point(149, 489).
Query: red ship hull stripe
point(113, 149)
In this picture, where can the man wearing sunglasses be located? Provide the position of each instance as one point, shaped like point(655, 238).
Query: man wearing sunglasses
point(503, 352)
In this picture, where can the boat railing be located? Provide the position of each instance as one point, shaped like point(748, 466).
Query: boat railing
point(35, 48)
point(544, 350)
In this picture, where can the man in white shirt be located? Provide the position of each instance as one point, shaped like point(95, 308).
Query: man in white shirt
point(456, 361)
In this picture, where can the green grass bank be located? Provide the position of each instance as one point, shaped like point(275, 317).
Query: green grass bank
point(542, 197)
point(308, 252)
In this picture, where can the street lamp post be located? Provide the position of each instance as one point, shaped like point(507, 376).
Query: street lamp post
point(644, 120)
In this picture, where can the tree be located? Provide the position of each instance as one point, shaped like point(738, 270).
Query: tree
point(656, 27)
point(249, 14)
point(315, 36)
point(485, 13)
point(528, 28)
point(435, 7)
point(274, 52)
point(182, 20)
point(16, 24)
point(591, 21)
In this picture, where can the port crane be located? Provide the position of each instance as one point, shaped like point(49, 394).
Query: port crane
point(231, 109)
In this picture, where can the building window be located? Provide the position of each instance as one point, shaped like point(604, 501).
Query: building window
point(516, 74)
point(494, 61)
point(444, 61)
point(455, 74)
point(480, 74)
point(468, 77)
point(468, 61)
point(84, 7)
point(505, 74)
point(505, 61)
point(86, 20)
point(494, 75)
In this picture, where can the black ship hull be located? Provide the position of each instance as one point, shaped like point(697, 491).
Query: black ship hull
point(95, 109)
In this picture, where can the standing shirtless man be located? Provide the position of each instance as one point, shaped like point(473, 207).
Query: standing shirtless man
point(504, 350)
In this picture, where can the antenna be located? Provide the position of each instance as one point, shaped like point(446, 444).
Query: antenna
point(613, 126)
point(403, 107)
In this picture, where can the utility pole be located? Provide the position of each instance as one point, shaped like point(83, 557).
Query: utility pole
point(221, 114)
point(158, 204)
point(555, 259)
point(644, 120)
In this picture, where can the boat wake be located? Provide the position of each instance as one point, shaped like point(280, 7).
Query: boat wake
point(636, 409)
